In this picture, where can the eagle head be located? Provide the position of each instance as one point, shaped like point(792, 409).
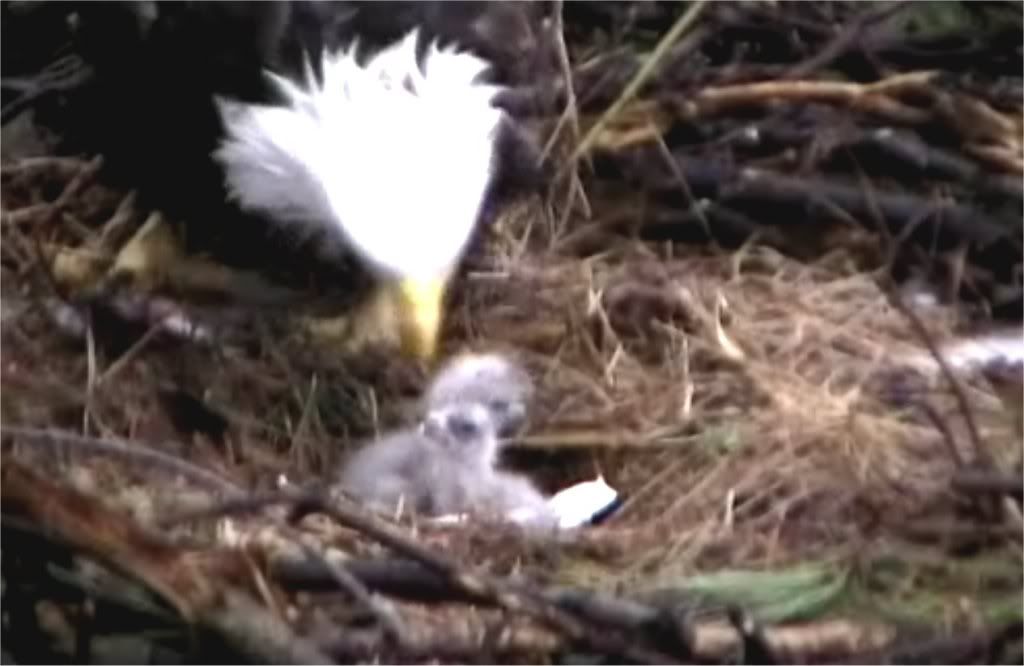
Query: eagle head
point(392, 152)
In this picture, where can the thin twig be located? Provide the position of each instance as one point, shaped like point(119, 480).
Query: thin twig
point(684, 185)
point(49, 81)
point(125, 449)
point(569, 115)
point(877, 98)
point(385, 614)
point(570, 118)
point(644, 73)
point(842, 42)
point(90, 377)
point(124, 359)
point(958, 392)
point(947, 434)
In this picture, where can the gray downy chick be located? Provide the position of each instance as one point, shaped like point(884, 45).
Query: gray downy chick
point(446, 466)
point(472, 483)
point(467, 441)
point(382, 474)
point(493, 380)
point(434, 469)
point(515, 497)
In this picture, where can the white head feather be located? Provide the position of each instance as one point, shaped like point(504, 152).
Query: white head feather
point(395, 157)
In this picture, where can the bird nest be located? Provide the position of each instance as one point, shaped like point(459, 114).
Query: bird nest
point(766, 420)
point(801, 480)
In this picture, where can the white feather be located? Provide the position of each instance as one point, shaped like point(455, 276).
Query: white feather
point(395, 157)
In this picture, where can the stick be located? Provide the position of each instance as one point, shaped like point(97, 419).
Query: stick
point(681, 26)
point(124, 449)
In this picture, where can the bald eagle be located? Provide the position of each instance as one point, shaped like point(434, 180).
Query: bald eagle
point(393, 154)
point(271, 112)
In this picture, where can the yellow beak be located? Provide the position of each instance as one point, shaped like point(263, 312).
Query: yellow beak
point(421, 305)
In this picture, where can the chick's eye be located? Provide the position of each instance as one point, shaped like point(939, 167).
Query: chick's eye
point(462, 427)
point(499, 406)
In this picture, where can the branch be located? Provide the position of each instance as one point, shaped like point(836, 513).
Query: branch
point(194, 587)
point(949, 223)
point(125, 449)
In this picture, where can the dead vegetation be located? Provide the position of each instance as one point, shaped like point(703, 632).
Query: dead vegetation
point(801, 482)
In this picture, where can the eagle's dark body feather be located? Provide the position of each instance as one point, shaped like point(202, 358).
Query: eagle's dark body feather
point(150, 111)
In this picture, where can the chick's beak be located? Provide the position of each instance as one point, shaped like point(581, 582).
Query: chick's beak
point(421, 312)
